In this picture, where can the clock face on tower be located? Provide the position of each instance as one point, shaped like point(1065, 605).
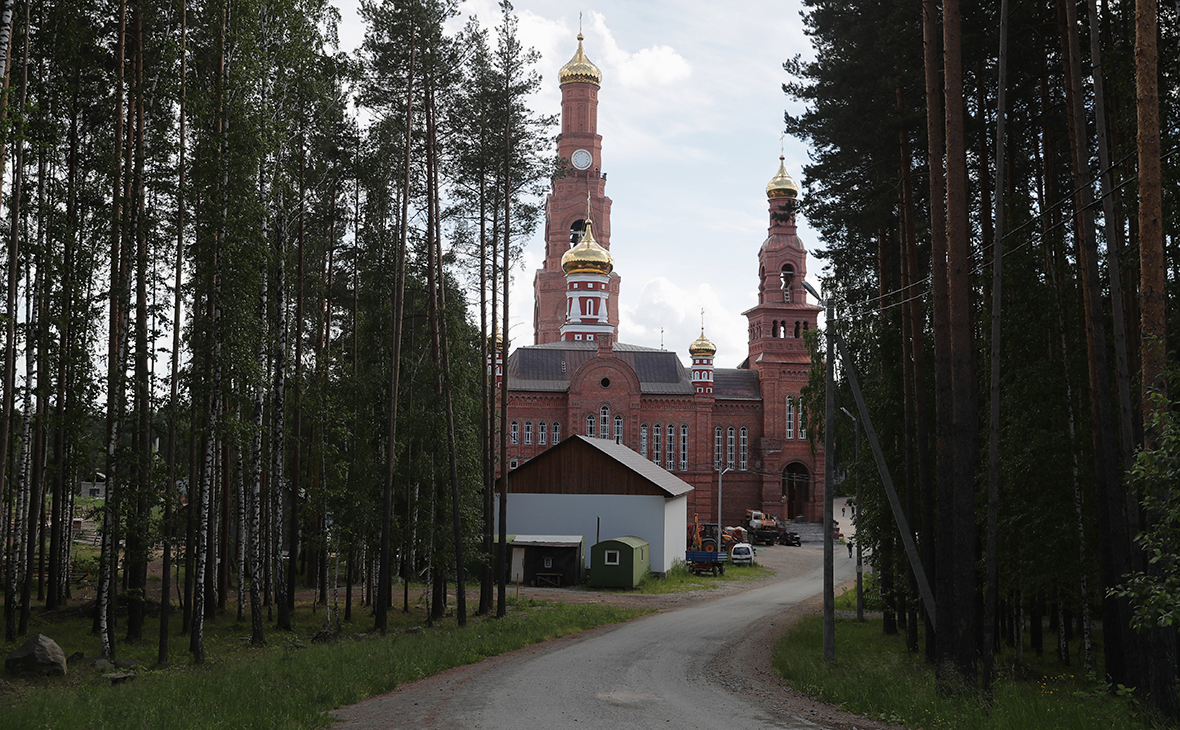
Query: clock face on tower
point(581, 159)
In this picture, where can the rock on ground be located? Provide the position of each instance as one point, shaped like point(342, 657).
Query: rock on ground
point(38, 654)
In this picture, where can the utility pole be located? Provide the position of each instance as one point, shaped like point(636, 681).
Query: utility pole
point(829, 439)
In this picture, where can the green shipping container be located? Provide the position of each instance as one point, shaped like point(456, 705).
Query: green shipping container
point(619, 563)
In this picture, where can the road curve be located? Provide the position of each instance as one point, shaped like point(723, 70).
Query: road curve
point(646, 673)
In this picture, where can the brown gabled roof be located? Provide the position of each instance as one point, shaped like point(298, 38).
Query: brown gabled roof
point(581, 465)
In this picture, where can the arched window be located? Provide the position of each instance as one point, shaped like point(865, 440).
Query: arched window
point(556, 431)
point(683, 447)
point(796, 329)
point(656, 453)
point(670, 458)
point(604, 422)
point(528, 433)
point(577, 230)
point(618, 429)
point(774, 328)
point(717, 448)
point(729, 447)
point(802, 420)
point(643, 440)
point(590, 422)
point(541, 433)
point(790, 432)
point(788, 277)
point(744, 450)
point(514, 433)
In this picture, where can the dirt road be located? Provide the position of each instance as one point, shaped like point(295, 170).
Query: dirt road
point(700, 662)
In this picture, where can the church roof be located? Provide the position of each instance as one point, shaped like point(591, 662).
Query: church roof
point(736, 384)
point(550, 366)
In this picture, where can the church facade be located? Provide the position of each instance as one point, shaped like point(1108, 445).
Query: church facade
point(741, 426)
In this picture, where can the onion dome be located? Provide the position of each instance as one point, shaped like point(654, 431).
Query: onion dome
point(579, 68)
point(587, 257)
point(782, 185)
point(702, 347)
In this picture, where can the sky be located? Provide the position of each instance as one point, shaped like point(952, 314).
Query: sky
point(691, 117)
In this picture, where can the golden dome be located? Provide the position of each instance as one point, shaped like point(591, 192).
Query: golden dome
point(782, 185)
point(702, 347)
point(587, 257)
point(579, 68)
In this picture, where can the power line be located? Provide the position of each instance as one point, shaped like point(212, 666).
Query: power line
point(864, 306)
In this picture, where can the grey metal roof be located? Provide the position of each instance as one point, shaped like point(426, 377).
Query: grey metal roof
point(671, 485)
point(550, 366)
point(736, 384)
point(547, 540)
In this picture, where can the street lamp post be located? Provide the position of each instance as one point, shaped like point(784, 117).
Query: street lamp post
point(829, 443)
point(860, 600)
point(720, 473)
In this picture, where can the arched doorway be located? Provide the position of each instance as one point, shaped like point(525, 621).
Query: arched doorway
point(796, 489)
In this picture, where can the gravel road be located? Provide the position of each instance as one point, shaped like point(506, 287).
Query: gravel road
point(700, 662)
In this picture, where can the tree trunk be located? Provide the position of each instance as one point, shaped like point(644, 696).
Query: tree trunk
point(385, 559)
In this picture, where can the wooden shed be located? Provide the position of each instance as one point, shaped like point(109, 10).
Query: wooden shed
point(590, 487)
point(546, 560)
point(620, 563)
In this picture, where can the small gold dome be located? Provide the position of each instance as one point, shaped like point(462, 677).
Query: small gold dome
point(579, 68)
point(587, 257)
point(702, 347)
point(782, 185)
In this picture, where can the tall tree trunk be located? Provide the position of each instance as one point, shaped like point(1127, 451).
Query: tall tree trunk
point(944, 465)
point(280, 490)
point(170, 495)
point(961, 508)
point(1160, 643)
point(993, 481)
point(297, 416)
point(1121, 643)
point(452, 447)
point(385, 558)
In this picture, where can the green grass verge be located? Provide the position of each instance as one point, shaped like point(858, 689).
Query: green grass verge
point(846, 601)
point(680, 580)
point(875, 676)
point(290, 684)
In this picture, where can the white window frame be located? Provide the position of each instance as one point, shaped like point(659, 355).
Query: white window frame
point(611, 557)
point(542, 430)
point(790, 432)
point(670, 452)
point(643, 440)
point(528, 433)
point(717, 448)
point(514, 433)
point(744, 449)
point(556, 432)
point(618, 429)
point(684, 447)
point(656, 452)
point(591, 422)
point(729, 443)
point(604, 422)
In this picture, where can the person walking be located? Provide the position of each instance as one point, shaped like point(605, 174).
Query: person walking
point(850, 548)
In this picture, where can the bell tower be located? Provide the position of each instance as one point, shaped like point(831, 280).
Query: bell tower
point(575, 197)
point(782, 316)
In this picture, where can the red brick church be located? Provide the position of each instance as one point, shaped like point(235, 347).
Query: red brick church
point(693, 421)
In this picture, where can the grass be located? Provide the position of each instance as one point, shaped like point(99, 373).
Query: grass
point(875, 676)
point(292, 683)
point(846, 601)
point(681, 580)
